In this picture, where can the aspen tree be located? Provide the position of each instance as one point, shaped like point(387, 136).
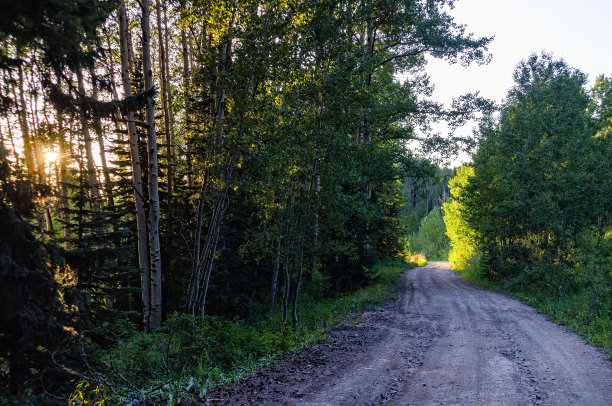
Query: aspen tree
point(154, 213)
point(141, 222)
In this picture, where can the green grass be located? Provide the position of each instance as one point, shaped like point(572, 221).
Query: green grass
point(186, 357)
point(585, 312)
point(472, 272)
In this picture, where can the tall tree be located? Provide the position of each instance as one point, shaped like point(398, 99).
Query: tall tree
point(463, 241)
point(533, 186)
point(91, 170)
point(154, 213)
point(139, 199)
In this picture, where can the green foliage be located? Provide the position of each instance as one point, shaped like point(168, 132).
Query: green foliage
point(463, 241)
point(529, 217)
point(600, 109)
point(601, 101)
point(431, 238)
point(539, 176)
point(294, 134)
point(425, 189)
point(35, 320)
point(393, 224)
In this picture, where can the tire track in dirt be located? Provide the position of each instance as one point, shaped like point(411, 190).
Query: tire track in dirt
point(445, 342)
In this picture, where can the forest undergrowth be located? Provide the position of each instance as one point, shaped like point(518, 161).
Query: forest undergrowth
point(186, 357)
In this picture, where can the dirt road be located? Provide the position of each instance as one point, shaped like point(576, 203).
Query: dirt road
point(445, 342)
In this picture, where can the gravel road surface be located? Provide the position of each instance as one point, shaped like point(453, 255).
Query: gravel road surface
point(445, 342)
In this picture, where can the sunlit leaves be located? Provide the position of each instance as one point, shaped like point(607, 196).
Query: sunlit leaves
point(539, 177)
point(462, 237)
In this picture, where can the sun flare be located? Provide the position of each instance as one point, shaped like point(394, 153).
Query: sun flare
point(51, 156)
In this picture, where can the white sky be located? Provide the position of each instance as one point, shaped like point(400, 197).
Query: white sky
point(580, 32)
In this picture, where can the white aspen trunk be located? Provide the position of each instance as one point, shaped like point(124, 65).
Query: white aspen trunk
point(298, 280)
point(211, 241)
point(108, 189)
point(39, 159)
point(28, 149)
point(154, 213)
point(63, 179)
point(315, 233)
point(169, 112)
point(286, 270)
point(141, 221)
point(286, 291)
point(168, 121)
point(12, 140)
point(204, 258)
point(194, 283)
point(274, 286)
point(107, 182)
point(186, 86)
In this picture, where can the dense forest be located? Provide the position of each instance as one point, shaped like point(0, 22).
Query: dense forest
point(180, 178)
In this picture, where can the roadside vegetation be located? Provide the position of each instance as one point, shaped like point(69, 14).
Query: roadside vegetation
point(532, 216)
point(431, 239)
point(185, 357)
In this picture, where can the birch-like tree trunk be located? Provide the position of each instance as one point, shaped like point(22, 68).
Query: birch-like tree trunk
point(154, 214)
point(63, 179)
point(204, 256)
point(28, 148)
point(141, 221)
point(277, 258)
point(287, 289)
point(108, 187)
point(298, 280)
point(164, 70)
point(162, 32)
point(186, 89)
